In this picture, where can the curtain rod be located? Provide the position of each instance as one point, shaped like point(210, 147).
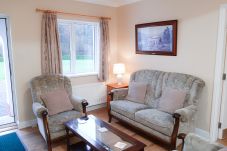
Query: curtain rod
point(65, 13)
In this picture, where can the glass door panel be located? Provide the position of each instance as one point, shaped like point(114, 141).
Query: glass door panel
point(6, 101)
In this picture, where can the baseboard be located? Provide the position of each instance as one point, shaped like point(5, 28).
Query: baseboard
point(95, 107)
point(8, 128)
point(202, 133)
point(25, 124)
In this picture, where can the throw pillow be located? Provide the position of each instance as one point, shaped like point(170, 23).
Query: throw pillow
point(57, 101)
point(171, 100)
point(137, 92)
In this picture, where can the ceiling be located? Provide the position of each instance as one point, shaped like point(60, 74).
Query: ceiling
point(113, 3)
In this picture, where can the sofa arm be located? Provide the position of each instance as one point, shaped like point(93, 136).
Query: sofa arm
point(79, 104)
point(194, 142)
point(186, 113)
point(118, 94)
point(39, 109)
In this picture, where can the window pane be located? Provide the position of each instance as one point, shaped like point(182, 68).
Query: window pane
point(64, 34)
point(84, 48)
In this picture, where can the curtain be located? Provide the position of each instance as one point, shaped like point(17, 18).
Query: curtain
point(104, 50)
point(50, 47)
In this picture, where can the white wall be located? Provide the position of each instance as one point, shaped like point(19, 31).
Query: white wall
point(196, 48)
point(26, 35)
point(197, 33)
point(96, 95)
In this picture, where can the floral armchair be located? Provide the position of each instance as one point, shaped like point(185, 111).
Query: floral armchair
point(51, 127)
point(193, 142)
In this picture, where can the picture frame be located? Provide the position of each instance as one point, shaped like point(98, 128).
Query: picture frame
point(157, 38)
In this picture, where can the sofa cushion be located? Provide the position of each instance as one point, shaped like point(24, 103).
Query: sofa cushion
point(156, 120)
point(56, 122)
point(57, 101)
point(190, 84)
point(171, 100)
point(154, 80)
point(136, 92)
point(127, 108)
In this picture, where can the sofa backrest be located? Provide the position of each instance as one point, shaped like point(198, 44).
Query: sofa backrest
point(47, 83)
point(158, 81)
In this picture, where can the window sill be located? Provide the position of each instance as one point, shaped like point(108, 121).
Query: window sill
point(81, 75)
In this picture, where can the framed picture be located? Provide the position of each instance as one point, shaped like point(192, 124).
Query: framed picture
point(157, 38)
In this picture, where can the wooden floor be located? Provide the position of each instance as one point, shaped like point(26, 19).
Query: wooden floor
point(223, 141)
point(34, 142)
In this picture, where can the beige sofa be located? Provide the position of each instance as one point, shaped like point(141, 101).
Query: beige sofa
point(146, 117)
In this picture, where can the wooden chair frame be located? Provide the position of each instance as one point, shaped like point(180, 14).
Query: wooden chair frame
point(46, 125)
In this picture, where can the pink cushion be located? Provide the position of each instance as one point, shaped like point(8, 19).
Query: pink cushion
point(171, 100)
point(223, 149)
point(57, 101)
point(137, 92)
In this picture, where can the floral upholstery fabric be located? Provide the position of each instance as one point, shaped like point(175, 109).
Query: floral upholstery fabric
point(141, 126)
point(186, 113)
point(56, 122)
point(158, 81)
point(127, 108)
point(188, 83)
point(38, 109)
point(155, 119)
point(195, 143)
point(47, 83)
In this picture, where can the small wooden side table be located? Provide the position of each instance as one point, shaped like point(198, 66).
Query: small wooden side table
point(112, 86)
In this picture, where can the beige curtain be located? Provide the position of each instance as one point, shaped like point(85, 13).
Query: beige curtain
point(104, 50)
point(50, 47)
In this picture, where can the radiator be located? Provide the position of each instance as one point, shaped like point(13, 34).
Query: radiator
point(94, 93)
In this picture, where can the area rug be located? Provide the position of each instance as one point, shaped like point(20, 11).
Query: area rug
point(11, 142)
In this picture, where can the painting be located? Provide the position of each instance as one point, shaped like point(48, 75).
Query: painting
point(157, 38)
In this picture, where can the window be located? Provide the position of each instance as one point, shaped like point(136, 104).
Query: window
point(79, 42)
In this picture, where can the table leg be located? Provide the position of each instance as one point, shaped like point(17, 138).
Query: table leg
point(67, 139)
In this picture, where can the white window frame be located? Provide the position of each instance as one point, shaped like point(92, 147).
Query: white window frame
point(72, 46)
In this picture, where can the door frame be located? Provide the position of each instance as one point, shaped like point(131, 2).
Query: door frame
point(11, 70)
point(219, 70)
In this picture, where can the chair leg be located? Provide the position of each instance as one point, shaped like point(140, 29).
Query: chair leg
point(49, 146)
point(176, 117)
point(47, 131)
point(110, 119)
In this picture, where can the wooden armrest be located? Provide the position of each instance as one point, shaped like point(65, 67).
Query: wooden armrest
point(176, 116)
point(181, 136)
point(46, 129)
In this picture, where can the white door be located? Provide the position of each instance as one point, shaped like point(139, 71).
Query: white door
point(7, 115)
